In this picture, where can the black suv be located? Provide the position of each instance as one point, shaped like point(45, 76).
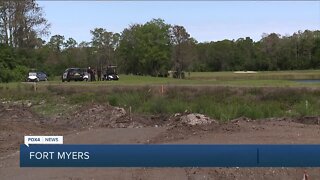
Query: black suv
point(75, 74)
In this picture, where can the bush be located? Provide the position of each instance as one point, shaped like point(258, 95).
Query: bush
point(5, 75)
point(19, 73)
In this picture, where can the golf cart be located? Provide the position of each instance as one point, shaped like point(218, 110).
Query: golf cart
point(32, 77)
point(36, 76)
point(110, 74)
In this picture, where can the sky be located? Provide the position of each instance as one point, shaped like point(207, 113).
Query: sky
point(204, 20)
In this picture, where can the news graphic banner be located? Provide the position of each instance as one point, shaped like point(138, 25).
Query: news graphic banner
point(134, 155)
point(43, 140)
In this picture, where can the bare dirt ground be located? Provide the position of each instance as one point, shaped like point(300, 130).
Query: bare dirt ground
point(103, 124)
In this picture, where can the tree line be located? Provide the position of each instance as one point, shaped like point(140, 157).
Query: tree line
point(152, 48)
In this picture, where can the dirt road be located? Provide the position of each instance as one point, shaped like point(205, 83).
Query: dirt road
point(112, 126)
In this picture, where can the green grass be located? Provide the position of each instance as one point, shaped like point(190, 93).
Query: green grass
point(220, 95)
point(223, 103)
point(260, 75)
point(269, 78)
point(51, 109)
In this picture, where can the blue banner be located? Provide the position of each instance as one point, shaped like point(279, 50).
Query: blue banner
point(170, 155)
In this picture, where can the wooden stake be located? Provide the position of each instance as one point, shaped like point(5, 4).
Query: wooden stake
point(34, 86)
point(162, 89)
point(130, 113)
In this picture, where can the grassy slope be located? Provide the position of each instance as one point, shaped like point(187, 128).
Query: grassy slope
point(271, 78)
point(207, 93)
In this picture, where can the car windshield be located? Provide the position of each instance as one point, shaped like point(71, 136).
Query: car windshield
point(76, 70)
point(32, 74)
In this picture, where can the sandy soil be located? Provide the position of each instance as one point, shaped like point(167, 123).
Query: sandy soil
point(103, 124)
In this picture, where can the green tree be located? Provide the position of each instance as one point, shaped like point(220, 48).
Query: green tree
point(244, 55)
point(104, 44)
point(56, 43)
point(70, 43)
point(315, 63)
point(128, 50)
point(183, 46)
point(21, 23)
point(146, 49)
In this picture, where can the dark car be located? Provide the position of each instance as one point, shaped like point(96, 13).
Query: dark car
point(42, 76)
point(73, 74)
point(36, 77)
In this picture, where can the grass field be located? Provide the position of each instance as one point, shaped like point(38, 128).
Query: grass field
point(274, 78)
point(297, 74)
point(221, 95)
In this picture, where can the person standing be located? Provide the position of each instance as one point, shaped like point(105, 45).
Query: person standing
point(90, 72)
point(99, 74)
point(93, 75)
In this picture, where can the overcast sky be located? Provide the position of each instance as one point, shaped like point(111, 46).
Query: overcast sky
point(205, 20)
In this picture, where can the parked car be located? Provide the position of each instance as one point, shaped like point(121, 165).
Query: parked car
point(36, 77)
point(73, 74)
point(42, 76)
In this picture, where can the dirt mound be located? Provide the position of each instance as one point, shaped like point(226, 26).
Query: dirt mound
point(308, 120)
point(186, 128)
point(18, 121)
point(96, 115)
point(105, 116)
point(192, 119)
point(196, 119)
point(15, 112)
point(182, 126)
